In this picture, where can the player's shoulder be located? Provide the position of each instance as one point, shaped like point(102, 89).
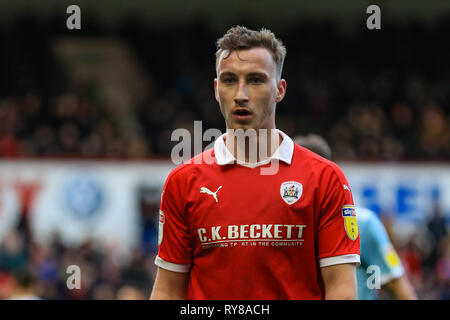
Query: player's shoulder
point(365, 213)
point(368, 220)
point(193, 165)
point(365, 216)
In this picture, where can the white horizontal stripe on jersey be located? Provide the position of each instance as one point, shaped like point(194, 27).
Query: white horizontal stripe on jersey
point(346, 258)
point(175, 267)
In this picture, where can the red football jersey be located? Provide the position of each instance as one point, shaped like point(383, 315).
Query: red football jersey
point(244, 235)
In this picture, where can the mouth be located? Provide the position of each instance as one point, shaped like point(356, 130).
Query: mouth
point(242, 114)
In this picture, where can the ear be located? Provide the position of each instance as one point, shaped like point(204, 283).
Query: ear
point(281, 90)
point(216, 92)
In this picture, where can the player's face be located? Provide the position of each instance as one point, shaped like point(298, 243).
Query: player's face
point(247, 89)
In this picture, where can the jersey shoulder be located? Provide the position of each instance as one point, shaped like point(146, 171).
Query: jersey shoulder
point(194, 164)
point(181, 177)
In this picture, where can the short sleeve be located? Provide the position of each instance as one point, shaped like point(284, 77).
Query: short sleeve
point(338, 236)
point(174, 241)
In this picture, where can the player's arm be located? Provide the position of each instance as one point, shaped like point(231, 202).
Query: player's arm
point(174, 257)
point(170, 285)
point(401, 288)
point(338, 236)
point(340, 282)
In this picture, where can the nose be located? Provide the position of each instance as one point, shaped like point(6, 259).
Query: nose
point(241, 96)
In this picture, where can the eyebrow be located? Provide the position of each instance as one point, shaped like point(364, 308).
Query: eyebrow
point(227, 74)
point(257, 74)
point(251, 74)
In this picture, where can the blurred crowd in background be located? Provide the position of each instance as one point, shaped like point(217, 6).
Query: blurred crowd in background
point(28, 269)
point(373, 96)
point(378, 97)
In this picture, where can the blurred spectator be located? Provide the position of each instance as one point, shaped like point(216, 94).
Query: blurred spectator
point(7, 284)
point(128, 292)
point(13, 253)
point(25, 288)
point(412, 262)
point(434, 131)
point(443, 271)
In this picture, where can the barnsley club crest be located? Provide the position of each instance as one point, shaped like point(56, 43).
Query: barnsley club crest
point(291, 191)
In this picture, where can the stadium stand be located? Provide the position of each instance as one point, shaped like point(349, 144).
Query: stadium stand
point(382, 98)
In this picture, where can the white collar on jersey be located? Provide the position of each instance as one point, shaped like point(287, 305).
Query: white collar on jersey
point(283, 153)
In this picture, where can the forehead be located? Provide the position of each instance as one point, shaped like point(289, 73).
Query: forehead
point(248, 60)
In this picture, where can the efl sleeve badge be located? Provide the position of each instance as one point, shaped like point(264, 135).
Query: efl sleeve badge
point(350, 223)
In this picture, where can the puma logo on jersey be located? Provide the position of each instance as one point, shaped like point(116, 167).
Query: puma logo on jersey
point(346, 187)
point(207, 191)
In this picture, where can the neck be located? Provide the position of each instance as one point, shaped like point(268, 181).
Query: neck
point(252, 146)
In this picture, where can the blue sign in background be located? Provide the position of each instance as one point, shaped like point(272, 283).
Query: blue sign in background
point(83, 195)
point(408, 193)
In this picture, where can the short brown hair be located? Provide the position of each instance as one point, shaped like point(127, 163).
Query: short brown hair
point(241, 38)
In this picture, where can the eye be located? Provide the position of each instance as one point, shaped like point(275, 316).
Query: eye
point(255, 80)
point(228, 80)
